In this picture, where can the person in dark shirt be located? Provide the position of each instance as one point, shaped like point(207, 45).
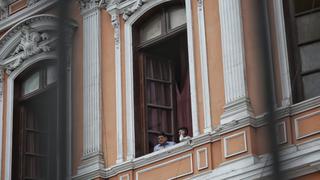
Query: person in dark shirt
point(163, 142)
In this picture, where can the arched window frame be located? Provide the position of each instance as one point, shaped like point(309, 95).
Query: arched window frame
point(129, 71)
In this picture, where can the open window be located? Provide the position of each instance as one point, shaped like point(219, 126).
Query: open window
point(35, 123)
point(161, 76)
point(302, 24)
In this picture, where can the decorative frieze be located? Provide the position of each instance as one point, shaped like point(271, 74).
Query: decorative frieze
point(129, 11)
point(233, 55)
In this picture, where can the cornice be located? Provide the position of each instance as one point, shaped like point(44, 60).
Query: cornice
point(88, 6)
point(213, 136)
point(34, 7)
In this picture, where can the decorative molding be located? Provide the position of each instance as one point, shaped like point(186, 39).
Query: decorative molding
point(204, 68)
point(4, 9)
point(296, 125)
point(233, 56)
point(192, 72)
point(116, 25)
point(32, 9)
point(92, 158)
point(129, 11)
point(282, 52)
point(87, 6)
point(129, 73)
point(10, 103)
point(187, 156)
point(205, 150)
point(202, 139)
point(225, 139)
point(31, 43)
point(283, 127)
point(303, 159)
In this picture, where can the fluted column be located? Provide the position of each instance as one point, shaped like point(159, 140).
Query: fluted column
point(233, 54)
point(92, 136)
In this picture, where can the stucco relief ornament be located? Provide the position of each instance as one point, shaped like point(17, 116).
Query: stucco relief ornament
point(128, 12)
point(30, 44)
point(3, 9)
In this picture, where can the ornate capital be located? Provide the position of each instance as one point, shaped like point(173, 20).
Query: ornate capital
point(88, 5)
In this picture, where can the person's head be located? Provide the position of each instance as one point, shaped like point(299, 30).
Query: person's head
point(162, 138)
point(183, 131)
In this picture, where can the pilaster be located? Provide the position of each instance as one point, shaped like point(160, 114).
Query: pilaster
point(92, 157)
point(233, 54)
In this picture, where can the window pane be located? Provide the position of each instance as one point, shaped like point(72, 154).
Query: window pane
point(177, 17)
point(51, 74)
point(31, 84)
point(310, 57)
point(151, 29)
point(159, 120)
point(308, 27)
point(311, 84)
point(302, 5)
point(317, 4)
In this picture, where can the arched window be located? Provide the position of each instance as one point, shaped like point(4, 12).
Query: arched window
point(161, 76)
point(35, 123)
point(302, 22)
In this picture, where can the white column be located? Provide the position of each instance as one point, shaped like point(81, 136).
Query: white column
point(193, 90)
point(204, 68)
point(233, 54)
point(282, 53)
point(92, 127)
point(117, 41)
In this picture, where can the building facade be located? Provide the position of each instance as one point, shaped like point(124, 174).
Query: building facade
point(134, 69)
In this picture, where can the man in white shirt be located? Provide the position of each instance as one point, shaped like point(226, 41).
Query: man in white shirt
point(163, 142)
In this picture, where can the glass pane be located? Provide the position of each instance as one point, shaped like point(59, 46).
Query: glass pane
point(158, 93)
point(302, 5)
point(308, 27)
point(310, 57)
point(317, 4)
point(177, 17)
point(51, 74)
point(31, 84)
point(159, 120)
point(151, 29)
point(311, 84)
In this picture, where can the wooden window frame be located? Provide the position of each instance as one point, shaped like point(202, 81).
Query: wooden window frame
point(295, 62)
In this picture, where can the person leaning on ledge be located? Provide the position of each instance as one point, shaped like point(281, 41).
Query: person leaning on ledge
point(163, 142)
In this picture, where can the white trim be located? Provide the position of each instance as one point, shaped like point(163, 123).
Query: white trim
point(117, 40)
point(284, 132)
point(192, 75)
point(129, 72)
point(125, 177)
point(296, 127)
point(282, 52)
point(204, 68)
point(226, 155)
point(206, 158)
point(10, 103)
point(168, 162)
